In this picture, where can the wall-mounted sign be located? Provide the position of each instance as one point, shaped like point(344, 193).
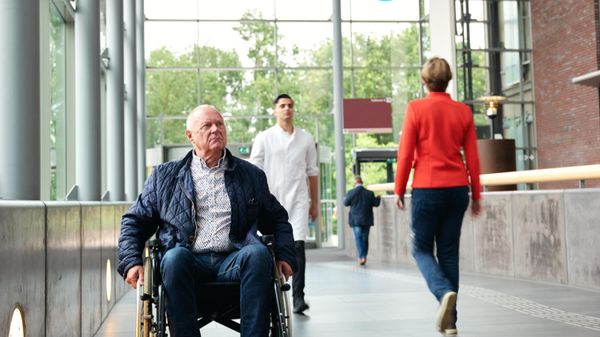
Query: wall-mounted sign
point(373, 115)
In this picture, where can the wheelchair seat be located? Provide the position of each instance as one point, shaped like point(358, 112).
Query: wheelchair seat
point(217, 301)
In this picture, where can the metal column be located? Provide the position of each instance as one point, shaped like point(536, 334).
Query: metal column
point(442, 36)
point(141, 96)
point(338, 96)
point(131, 180)
point(495, 64)
point(115, 165)
point(87, 100)
point(19, 100)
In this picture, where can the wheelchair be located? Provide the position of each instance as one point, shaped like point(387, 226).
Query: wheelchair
point(220, 301)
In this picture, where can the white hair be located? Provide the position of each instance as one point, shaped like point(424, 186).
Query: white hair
point(189, 123)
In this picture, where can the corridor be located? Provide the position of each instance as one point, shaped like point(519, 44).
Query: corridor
point(385, 300)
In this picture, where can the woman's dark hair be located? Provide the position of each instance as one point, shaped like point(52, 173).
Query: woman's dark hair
point(436, 74)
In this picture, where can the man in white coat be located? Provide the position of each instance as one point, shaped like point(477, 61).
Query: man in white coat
point(288, 157)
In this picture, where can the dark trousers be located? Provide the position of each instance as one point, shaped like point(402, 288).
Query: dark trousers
point(437, 216)
point(252, 266)
point(298, 279)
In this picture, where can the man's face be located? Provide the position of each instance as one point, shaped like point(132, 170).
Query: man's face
point(284, 109)
point(207, 132)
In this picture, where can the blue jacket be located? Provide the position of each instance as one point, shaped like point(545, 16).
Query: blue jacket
point(361, 202)
point(167, 204)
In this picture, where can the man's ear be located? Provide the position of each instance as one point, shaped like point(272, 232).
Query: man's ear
point(188, 134)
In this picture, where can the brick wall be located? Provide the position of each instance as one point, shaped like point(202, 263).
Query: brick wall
point(565, 45)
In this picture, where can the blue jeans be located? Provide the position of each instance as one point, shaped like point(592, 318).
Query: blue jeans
point(182, 270)
point(361, 238)
point(437, 215)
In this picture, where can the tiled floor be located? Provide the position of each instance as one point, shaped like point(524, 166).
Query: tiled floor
point(389, 300)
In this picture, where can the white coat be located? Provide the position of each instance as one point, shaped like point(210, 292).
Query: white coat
point(288, 160)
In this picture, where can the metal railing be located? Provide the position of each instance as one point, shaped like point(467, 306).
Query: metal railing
point(569, 173)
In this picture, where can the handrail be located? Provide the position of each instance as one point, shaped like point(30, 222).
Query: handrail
point(568, 173)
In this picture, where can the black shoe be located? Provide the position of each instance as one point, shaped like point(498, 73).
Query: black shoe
point(300, 306)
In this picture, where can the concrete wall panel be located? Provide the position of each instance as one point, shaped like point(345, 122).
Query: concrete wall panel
point(582, 210)
point(22, 264)
point(384, 245)
point(92, 265)
point(120, 286)
point(493, 236)
point(467, 244)
point(107, 296)
point(403, 222)
point(63, 269)
point(539, 236)
point(525, 234)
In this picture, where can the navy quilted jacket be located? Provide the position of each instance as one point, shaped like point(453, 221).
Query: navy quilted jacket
point(167, 204)
point(361, 202)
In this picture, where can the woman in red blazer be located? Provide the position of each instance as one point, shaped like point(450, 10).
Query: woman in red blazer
point(436, 129)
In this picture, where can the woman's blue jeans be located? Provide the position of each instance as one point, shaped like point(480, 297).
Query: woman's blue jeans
point(437, 215)
point(361, 238)
point(182, 271)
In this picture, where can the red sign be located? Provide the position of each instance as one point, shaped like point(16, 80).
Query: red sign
point(373, 115)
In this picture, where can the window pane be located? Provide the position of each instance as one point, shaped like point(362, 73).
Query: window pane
point(57, 105)
point(384, 44)
point(235, 9)
point(477, 31)
point(153, 133)
point(171, 92)
point(311, 90)
point(253, 42)
point(476, 10)
point(372, 83)
point(300, 43)
point(174, 131)
point(256, 95)
point(173, 9)
point(510, 68)
point(219, 88)
point(303, 10)
point(178, 38)
point(397, 10)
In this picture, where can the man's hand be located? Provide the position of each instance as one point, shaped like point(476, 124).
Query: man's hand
point(400, 202)
point(284, 269)
point(133, 274)
point(313, 211)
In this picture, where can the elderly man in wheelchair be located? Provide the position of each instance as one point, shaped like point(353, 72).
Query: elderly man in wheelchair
point(205, 211)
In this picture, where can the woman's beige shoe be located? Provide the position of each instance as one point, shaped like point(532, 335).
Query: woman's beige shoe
point(445, 316)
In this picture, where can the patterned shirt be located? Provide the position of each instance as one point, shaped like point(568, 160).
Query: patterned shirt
point(213, 208)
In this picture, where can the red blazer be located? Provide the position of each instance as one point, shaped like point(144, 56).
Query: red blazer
point(434, 131)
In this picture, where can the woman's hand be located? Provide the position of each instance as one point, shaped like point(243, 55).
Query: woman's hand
point(400, 202)
point(476, 208)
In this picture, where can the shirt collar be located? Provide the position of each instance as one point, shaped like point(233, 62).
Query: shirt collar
point(199, 161)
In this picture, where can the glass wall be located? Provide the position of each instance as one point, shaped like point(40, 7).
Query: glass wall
point(239, 55)
point(494, 53)
point(58, 104)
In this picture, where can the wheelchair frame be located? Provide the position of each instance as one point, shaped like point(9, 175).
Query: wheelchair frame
point(151, 318)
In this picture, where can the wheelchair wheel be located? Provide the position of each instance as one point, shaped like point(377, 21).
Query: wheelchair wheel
point(144, 300)
point(281, 318)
